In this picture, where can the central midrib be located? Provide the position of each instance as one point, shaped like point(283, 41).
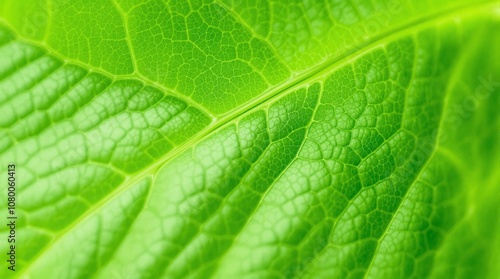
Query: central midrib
point(313, 74)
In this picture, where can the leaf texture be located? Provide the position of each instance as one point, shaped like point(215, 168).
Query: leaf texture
point(260, 139)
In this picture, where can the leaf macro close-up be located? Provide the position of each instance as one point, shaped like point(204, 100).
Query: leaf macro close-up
point(318, 139)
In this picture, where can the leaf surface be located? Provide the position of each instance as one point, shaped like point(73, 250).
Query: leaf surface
point(226, 139)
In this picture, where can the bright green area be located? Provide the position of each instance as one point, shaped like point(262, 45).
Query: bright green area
point(252, 139)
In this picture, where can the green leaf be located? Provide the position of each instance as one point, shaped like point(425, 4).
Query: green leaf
point(251, 139)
